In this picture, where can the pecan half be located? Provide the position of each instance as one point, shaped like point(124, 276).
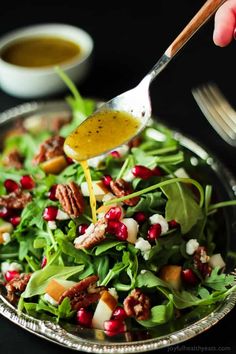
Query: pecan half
point(137, 305)
point(49, 149)
point(70, 198)
point(16, 286)
point(121, 188)
point(94, 235)
point(84, 293)
point(200, 261)
point(15, 200)
point(14, 159)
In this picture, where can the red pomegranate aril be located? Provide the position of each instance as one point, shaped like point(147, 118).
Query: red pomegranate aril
point(189, 277)
point(69, 160)
point(113, 327)
point(114, 213)
point(119, 314)
point(50, 213)
point(5, 213)
point(142, 172)
point(82, 228)
point(44, 262)
point(52, 192)
point(15, 220)
point(11, 274)
point(10, 185)
point(27, 182)
point(140, 217)
point(157, 171)
point(84, 317)
point(154, 232)
point(173, 224)
point(115, 154)
point(118, 229)
point(106, 180)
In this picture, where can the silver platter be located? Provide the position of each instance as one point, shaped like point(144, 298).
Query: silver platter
point(94, 341)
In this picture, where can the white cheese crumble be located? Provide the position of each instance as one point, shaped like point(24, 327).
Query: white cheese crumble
point(180, 172)
point(52, 225)
point(159, 219)
point(122, 150)
point(6, 237)
point(144, 246)
point(129, 176)
point(191, 246)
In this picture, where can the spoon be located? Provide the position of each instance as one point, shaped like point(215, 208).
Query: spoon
point(123, 117)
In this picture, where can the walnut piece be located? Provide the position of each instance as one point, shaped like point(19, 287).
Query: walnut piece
point(16, 286)
point(84, 293)
point(50, 148)
point(121, 188)
point(94, 235)
point(15, 200)
point(13, 160)
point(70, 198)
point(137, 305)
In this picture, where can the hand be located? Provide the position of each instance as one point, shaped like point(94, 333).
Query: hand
point(225, 23)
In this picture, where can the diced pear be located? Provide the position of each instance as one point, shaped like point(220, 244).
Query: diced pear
point(99, 190)
point(54, 165)
point(56, 287)
point(172, 275)
point(103, 312)
point(6, 227)
point(132, 228)
point(216, 260)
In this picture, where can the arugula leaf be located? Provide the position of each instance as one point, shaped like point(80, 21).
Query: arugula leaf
point(181, 206)
point(160, 314)
point(150, 202)
point(218, 281)
point(149, 280)
point(40, 279)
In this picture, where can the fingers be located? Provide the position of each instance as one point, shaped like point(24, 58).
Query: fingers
point(225, 23)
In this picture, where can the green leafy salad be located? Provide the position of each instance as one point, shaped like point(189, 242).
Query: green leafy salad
point(149, 256)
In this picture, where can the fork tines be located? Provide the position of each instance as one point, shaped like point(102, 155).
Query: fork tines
point(217, 110)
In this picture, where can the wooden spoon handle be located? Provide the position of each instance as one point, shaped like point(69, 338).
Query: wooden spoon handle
point(206, 11)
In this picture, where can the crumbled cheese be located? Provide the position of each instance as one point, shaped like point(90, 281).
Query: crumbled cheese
point(50, 300)
point(90, 229)
point(113, 292)
point(143, 271)
point(204, 258)
point(52, 225)
point(107, 197)
point(144, 246)
point(122, 150)
point(61, 215)
point(191, 246)
point(6, 266)
point(129, 176)
point(6, 237)
point(159, 219)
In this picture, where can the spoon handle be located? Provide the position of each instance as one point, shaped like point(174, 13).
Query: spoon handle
point(206, 11)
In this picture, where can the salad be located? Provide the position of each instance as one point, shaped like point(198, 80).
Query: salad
point(149, 256)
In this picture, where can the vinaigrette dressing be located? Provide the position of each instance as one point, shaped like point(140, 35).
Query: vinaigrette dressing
point(92, 198)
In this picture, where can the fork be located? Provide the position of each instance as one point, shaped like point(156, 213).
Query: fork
point(219, 113)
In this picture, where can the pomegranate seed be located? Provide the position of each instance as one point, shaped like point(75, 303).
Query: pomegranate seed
point(118, 229)
point(82, 228)
point(119, 314)
point(15, 220)
point(173, 224)
point(84, 317)
point(140, 217)
point(189, 277)
point(115, 154)
point(50, 213)
point(11, 274)
point(52, 192)
point(114, 213)
point(106, 180)
point(113, 327)
point(69, 160)
point(44, 262)
point(157, 171)
point(27, 182)
point(5, 213)
point(10, 185)
point(142, 172)
point(154, 232)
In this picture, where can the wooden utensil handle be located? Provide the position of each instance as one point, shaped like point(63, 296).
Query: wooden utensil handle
point(206, 11)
